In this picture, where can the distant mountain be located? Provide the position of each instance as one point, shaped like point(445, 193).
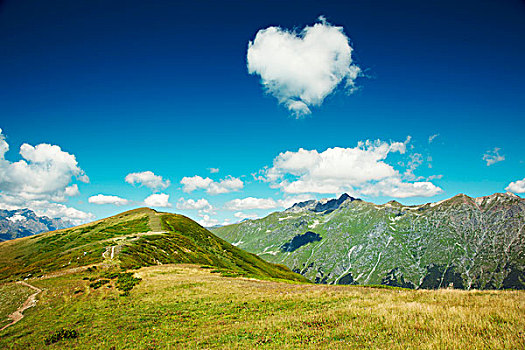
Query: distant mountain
point(24, 222)
point(136, 238)
point(461, 242)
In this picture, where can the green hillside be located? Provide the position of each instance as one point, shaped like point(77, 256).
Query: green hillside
point(130, 240)
point(467, 243)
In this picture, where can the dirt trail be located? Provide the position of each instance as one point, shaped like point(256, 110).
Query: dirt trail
point(155, 222)
point(30, 301)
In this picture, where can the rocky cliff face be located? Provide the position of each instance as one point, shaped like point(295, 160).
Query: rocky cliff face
point(24, 222)
point(461, 242)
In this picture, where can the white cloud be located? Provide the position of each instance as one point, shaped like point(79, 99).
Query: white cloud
point(361, 169)
point(395, 187)
point(251, 203)
point(287, 202)
point(44, 172)
point(72, 190)
point(207, 221)
point(493, 156)
point(516, 186)
point(335, 168)
point(46, 208)
point(415, 160)
point(240, 215)
point(160, 200)
point(190, 204)
point(213, 170)
point(55, 210)
point(103, 199)
point(193, 183)
point(16, 218)
point(226, 185)
point(432, 137)
point(43, 176)
point(148, 179)
point(302, 69)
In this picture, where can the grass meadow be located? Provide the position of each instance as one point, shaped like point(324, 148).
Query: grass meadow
point(188, 307)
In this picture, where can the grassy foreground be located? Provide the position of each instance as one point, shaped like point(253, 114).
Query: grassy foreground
point(187, 307)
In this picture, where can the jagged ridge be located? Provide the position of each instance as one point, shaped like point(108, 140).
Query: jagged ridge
point(24, 222)
point(462, 242)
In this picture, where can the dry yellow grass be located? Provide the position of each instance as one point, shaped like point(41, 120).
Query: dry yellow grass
point(186, 307)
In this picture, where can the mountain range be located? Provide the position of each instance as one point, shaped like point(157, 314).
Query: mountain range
point(24, 222)
point(461, 242)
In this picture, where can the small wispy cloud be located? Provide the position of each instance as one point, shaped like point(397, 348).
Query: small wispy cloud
point(432, 137)
point(493, 156)
point(240, 215)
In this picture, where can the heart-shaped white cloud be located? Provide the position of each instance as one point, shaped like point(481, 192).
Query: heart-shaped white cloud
point(301, 69)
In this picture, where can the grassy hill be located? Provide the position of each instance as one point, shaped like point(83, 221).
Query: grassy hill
point(130, 240)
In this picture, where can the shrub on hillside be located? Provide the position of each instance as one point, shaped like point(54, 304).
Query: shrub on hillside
point(60, 335)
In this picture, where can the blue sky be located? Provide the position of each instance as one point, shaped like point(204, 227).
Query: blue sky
point(164, 86)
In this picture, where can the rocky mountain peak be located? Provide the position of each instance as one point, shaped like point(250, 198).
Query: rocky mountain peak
point(24, 222)
point(322, 205)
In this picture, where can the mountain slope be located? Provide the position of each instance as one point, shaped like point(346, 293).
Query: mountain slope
point(132, 239)
point(24, 222)
point(461, 242)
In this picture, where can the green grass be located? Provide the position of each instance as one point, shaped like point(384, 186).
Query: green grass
point(79, 246)
point(187, 307)
point(12, 295)
point(188, 242)
point(175, 239)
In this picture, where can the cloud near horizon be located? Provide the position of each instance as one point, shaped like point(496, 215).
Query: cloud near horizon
point(40, 179)
point(160, 200)
point(302, 69)
point(516, 186)
point(206, 221)
point(241, 216)
point(104, 199)
point(358, 170)
point(190, 204)
point(250, 203)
